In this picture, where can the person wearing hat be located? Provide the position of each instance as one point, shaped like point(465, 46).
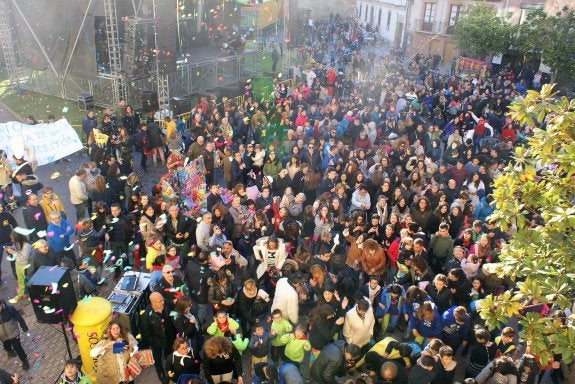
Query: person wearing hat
point(81, 277)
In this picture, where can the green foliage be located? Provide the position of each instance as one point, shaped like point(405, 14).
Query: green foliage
point(550, 37)
point(539, 182)
point(480, 32)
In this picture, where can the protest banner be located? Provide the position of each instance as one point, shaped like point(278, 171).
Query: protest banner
point(50, 142)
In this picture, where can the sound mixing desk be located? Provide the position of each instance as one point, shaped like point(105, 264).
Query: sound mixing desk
point(129, 297)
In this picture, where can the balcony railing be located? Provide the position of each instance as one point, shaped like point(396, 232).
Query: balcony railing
point(434, 27)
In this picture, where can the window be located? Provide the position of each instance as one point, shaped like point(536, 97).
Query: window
point(428, 17)
point(371, 17)
point(429, 14)
point(379, 18)
point(360, 10)
point(388, 24)
point(454, 14)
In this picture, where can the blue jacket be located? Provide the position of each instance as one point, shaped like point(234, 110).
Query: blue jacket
point(482, 210)
point(385, 299)
point(54, 232)
point(426, 328)
point(411, 308)
point(341, 128)
point(452, 330)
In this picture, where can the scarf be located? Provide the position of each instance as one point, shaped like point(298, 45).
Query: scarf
point(182, 357)
point(223, 327)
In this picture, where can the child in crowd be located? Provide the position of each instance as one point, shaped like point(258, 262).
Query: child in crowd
point(504, 343)
point(72, 375)
point(223, 325)
point(264, 373)
point(259, 345)
point(470, 265)
point(296, 344)
point(279, 328)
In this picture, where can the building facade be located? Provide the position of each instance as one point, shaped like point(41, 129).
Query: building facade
point(431, 23)
point(386, 17)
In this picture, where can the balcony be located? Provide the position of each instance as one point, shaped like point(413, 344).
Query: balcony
point(434, 27)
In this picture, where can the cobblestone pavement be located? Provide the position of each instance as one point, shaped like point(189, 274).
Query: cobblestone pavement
point(45, 346)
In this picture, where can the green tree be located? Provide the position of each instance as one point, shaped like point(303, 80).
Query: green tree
point(552, 38)
point(536, 194)
point(480, 32)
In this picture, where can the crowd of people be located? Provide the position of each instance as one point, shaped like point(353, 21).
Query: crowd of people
point(356, 241)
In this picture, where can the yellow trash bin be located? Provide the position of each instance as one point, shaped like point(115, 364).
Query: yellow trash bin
point(90, 320)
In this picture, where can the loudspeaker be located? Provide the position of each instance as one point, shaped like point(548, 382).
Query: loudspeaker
point(150, 101)
point(52, 294)
point(229, 91)
point(181, 105)
point(85, 102)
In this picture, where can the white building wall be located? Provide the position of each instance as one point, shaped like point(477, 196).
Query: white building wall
point(395, 9)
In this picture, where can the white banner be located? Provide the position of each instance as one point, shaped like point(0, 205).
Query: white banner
point(50, 142)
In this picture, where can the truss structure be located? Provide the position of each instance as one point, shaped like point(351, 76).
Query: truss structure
point(115, 74)
point(7, 42)
point(115, 83)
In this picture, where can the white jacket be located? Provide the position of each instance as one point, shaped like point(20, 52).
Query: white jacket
point(261, 254)
point(78, 194)
point(356, 330)
point(286, 300)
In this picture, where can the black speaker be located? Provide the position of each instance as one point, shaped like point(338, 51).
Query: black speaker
point(150, 101)
point(85, 102)
point(52, 294)
point(181, 105)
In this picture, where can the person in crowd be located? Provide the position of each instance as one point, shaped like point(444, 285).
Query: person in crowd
point(183, 361)
point(10, 323)
point(113, 353)
point(222, 362)
point(21, 253)
point(157, 331)
point(72, 375)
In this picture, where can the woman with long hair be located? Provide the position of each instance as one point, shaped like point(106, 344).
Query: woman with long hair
point(115, 184)
point(101, 191)
point(113, 353)
point(482, 249)
point(185, 324)
point(148, 224)
point(20, 252)
point(222, 361)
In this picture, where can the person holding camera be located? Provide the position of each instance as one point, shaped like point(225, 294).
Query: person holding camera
point(113, 353)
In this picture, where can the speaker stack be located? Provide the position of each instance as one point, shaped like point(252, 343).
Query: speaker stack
point(52, 294)
point(150, 101)
point(85, 102)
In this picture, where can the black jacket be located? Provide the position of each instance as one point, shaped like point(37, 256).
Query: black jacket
point(182, 227)
point(155, 328)
point(321, 333)
point(7, 223)
point(221, 365)
point(329, 364)
point(197, 279)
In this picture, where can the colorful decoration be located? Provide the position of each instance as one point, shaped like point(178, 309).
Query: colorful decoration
point(192, 185)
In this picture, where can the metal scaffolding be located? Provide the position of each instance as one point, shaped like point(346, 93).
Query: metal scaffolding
point(7, 42)
point(286, 59)
point(114, 52)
